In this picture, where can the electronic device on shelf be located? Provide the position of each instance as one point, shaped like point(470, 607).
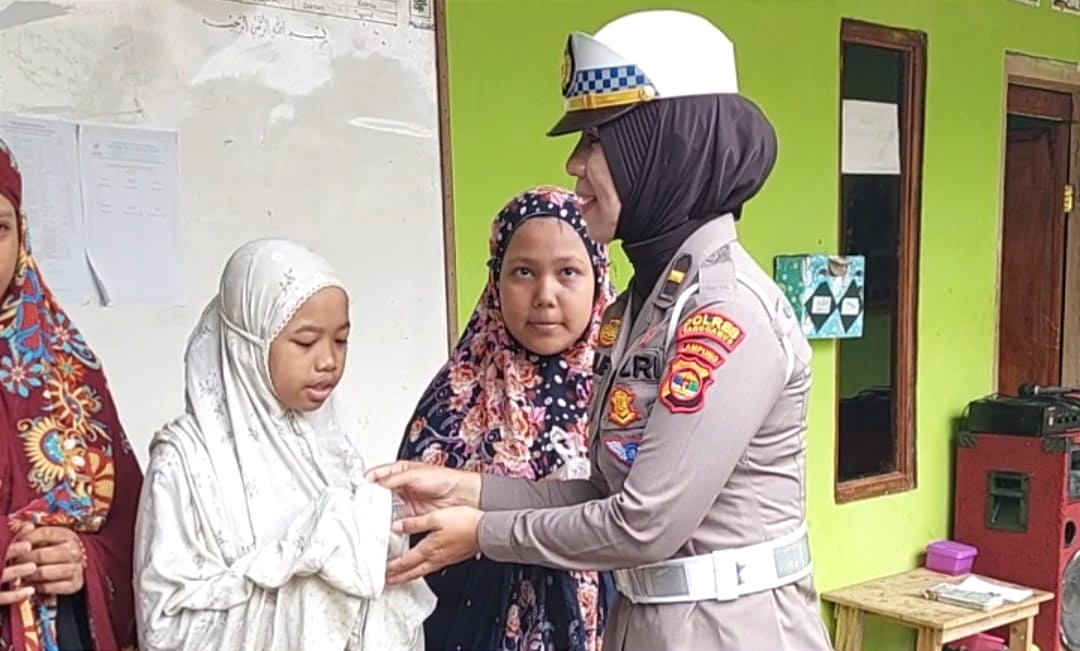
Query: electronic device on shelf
point(1035, 411)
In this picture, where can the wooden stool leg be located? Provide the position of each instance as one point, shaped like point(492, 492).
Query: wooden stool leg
point(849, 628)
point(1020, 634)
point(929, 640)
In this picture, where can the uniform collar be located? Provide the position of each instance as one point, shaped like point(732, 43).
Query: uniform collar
point(683, 267)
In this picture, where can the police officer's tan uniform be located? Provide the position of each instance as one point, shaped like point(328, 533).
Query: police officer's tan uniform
point(717, 467)
point(698, 451)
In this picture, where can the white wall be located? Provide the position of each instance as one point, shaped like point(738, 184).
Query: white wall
point(316, 127)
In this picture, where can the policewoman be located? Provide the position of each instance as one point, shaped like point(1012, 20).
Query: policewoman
point(698, 449)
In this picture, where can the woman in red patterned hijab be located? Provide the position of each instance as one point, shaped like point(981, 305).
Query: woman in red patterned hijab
point(69, 483)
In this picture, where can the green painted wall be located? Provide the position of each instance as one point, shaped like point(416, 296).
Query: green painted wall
point(504, 84)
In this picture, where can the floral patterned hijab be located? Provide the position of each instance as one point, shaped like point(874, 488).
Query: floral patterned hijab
point(497, 408)
point(494, 405)
point(64, 458)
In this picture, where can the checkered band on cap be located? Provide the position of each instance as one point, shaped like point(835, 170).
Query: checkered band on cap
point(607, 80)
point(639, 57)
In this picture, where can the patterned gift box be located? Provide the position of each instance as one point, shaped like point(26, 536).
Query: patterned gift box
point(826, 292)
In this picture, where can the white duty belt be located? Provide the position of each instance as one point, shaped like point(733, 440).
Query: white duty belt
point(723, 575)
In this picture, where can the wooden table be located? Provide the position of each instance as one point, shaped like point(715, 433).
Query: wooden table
point(898, 599)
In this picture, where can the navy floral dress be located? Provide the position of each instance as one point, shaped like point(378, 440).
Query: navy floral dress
point(497, 408)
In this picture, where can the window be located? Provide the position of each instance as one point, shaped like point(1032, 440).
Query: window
point(882, 82)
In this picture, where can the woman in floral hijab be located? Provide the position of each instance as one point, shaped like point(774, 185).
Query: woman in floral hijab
point(69, 482)
point(513, 400)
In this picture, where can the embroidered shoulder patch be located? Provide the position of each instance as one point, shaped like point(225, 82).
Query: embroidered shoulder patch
point(623, 450)
point(609, 332)
point(682, 390)
point(701, 351)
point(711, 324)
point(621, 410)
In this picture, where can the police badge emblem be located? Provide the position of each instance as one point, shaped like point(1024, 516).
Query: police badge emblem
point(567, 68)
point(622, 411)
point(609, 332)
point(683, 390)
point(623, 450)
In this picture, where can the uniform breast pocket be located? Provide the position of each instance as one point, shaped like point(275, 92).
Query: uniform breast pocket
point(629, 403)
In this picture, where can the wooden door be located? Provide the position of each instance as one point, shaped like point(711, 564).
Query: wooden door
point(1033, 238)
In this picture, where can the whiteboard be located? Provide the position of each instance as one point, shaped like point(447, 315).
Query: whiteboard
point(317, 121)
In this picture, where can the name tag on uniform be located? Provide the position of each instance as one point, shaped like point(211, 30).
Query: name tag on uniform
point(643, 365)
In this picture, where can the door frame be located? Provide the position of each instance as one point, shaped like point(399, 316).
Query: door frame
point(1064, 77)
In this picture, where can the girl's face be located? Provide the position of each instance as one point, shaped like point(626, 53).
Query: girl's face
point(307, 359)
point(546, 286)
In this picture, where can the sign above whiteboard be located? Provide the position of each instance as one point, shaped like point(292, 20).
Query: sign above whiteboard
point(375, 11)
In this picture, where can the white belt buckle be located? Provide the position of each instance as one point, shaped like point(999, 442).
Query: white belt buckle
point(726, 572)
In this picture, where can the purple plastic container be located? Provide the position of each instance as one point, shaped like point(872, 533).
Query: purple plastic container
point(950, 557)
point(979, 642)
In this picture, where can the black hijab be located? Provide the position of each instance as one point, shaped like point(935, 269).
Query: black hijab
point(678, 163)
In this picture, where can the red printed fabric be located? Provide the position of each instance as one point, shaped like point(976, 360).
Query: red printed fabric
point(64, 458)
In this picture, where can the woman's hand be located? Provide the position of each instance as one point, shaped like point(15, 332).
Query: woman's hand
point(59, 558)
point(452, 537)
point(426, 488)
point(12, 590)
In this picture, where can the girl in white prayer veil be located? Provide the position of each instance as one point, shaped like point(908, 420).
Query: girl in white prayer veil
point(256, 529)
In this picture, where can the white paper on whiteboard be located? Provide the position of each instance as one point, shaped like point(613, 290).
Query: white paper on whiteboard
point(871, 138)
point(131, 195)
point(48, 158)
